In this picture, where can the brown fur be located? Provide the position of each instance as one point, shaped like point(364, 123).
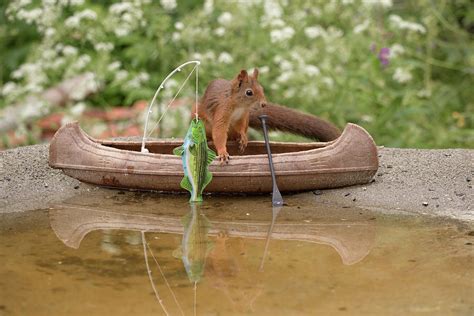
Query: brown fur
point(227, 113)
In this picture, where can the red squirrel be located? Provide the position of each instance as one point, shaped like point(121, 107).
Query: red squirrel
point(229, 107)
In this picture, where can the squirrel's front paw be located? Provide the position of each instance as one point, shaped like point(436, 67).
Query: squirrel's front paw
point(224, 158)
point(243, 141)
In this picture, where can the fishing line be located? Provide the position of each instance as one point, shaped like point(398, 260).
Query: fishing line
point(197, 85)
point(169, 104)
point(166, 281)
point(149, 275)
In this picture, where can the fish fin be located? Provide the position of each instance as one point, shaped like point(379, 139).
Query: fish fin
point(211, 155)
point(185, 184)
point(178, 253)
point(178, 151)
point(207, 180)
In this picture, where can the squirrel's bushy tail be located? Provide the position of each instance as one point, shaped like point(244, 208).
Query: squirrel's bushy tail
point(288, 120)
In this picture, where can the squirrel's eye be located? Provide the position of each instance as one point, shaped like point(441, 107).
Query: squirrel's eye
point(249, 92)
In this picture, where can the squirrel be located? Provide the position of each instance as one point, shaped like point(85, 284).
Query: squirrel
point(229, 107)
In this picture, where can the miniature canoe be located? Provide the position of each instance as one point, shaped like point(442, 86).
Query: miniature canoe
point(350, 159)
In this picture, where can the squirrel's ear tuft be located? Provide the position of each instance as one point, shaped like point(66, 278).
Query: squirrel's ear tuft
point(255, 73)
point(243, 76)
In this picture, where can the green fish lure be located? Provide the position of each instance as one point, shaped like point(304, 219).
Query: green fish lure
point(196, 157)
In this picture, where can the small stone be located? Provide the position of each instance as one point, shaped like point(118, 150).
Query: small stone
point(364, 189)
point(447, 155)
point(76, 187)
point(46, 185)
point(248, 214)
point(347, 194)
point(372, 181)
point(468, 179)
point(389, 166)
point(317, 192)
point(354, 199)
point(425, 203)
point(380, 174)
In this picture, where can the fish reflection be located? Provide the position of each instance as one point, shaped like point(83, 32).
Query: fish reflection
point(195, 244)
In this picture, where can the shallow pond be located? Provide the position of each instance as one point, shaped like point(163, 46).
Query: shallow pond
point(89, 256)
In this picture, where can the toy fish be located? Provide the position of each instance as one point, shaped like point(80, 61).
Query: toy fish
point(195, 244)
point(196, 159)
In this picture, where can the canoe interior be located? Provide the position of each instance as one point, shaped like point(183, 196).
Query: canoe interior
point(253, 147)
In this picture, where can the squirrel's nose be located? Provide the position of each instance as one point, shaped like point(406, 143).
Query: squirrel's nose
point(263, 104)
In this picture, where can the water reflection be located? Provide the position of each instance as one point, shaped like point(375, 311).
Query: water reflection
point(213, 249)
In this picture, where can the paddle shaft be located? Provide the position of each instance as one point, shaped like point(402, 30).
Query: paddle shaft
point(277, 199)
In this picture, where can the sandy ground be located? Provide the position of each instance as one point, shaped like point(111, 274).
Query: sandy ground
point(409, 181)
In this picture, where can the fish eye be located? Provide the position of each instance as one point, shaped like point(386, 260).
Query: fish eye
point(249, 92)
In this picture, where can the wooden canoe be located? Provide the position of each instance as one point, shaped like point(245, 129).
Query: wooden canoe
point(350, 159)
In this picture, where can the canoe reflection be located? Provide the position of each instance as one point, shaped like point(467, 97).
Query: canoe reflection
point(217, 250)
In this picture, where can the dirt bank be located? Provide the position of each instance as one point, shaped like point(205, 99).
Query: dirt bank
point(429, 182)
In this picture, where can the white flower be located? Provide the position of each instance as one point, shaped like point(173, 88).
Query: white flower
point(121, 75)
point(168, 5)
point(88, 85)
point(87, 14)
point(314, 32)
point(401, 24)
point(272, 11)
point(208, 6)
point(225, 18)
point(225, 58)
point(82, 61)
point(284, 77)
point(176, 36)
point(49, 32)
point(382, 3)
point(179, 25)
point(334, 32)
point(75, 20)
point(72, 21)
point(220, 31)
point(264, 69)
point(31, 16)
point(312, 70)
point(114, 66)
point(106, 47)
point(8, 88)
point(282, 35)
point(359, 28)
point(121, 7)
point(196, 56)
point(69, 50)
point(78, 109)
point(76, 2)
point(328, 81)
point(122, 31)
point(285, 65)
point(402, 75)
point(396, 50)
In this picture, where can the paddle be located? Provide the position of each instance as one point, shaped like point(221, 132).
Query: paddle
point(277, 200)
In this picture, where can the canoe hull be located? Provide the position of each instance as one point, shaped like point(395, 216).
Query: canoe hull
point(349, 160)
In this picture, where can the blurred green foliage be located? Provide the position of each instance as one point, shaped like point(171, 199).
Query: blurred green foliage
point(323, 57)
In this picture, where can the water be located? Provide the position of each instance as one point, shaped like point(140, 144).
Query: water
point(86, 257)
